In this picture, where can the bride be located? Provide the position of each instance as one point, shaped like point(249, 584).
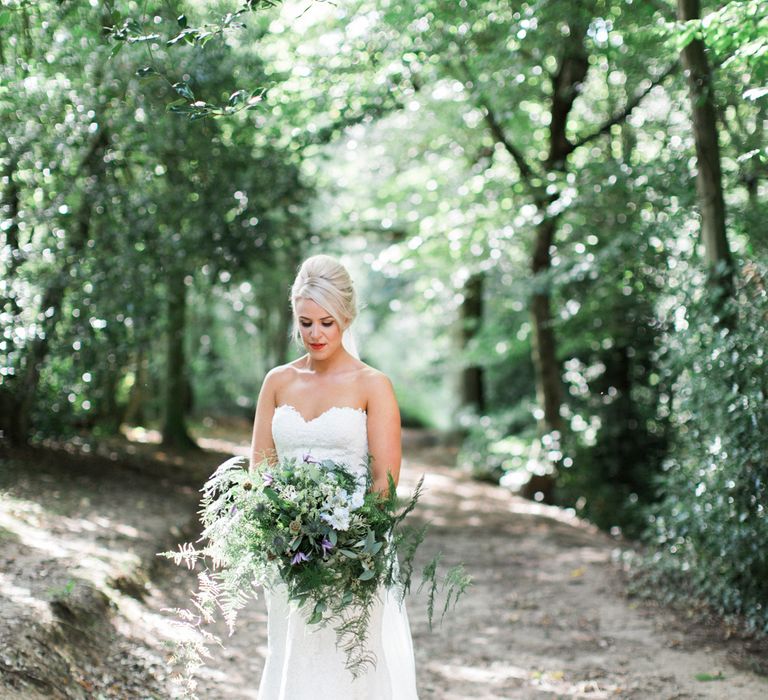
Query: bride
point(330, 404)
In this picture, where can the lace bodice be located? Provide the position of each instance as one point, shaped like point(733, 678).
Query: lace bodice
point(340, 434)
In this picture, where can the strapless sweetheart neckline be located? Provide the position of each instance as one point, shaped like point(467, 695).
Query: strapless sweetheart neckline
point(295, 410)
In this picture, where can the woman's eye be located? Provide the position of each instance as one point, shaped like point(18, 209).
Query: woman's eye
point(325, 324)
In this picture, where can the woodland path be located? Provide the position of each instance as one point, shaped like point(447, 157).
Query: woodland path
point(547, 617)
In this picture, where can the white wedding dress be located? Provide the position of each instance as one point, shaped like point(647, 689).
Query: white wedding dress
point(303, 662)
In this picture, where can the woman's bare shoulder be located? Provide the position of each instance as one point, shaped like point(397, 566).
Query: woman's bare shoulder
point(377, 384)
point(278, 376)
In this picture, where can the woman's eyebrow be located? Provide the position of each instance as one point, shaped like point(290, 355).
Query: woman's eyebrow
point(324, 318)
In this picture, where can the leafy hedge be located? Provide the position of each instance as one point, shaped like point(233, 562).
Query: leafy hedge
point(710, 527)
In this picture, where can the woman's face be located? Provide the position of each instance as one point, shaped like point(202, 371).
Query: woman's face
point(320, 332)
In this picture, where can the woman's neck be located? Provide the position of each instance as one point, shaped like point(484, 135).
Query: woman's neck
point(328, 365)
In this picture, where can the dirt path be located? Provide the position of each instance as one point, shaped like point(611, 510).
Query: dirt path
point(547, 616)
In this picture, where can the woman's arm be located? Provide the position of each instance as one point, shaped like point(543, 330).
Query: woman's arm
point(262, 445)
point(384, 433)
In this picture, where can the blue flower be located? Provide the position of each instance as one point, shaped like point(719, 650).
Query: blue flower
point(326, 545)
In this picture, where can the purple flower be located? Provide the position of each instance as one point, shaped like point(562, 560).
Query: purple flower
point(233, 510)
point(326, 545)
point(268, 478)
point(308, 459)
point(299, 557)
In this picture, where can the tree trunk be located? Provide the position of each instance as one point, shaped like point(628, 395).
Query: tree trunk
point(471, 318)
point(107, 415)
point(9, 211)
point(543, 341)
point(134, 411)
point(176, 400)
point(709, 185)
point(572, 70)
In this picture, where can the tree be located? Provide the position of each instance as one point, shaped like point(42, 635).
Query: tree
point(709, 177)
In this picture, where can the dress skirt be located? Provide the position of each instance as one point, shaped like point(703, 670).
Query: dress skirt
point(303, 662)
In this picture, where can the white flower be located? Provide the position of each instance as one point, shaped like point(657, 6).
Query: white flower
point(357, 499)
point(338, 519)
point(340, 499)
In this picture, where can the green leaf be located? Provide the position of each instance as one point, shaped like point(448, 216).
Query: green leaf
point(180, 109)
point(349, 553)
point(271, 494)
point(756, 93)
point(172, 106)
point(366, 575)
point(5, 18)
point(185, 91)
point(186, 34)
point(370, 540)
point(236, 97)
point(709, 677)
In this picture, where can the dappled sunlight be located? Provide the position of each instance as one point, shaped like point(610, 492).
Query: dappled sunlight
point(224, 446)
point(137, 620)
point(23, 596)
point(54, 535)
point(138, 433)
point(452, 492)
point(500, 676)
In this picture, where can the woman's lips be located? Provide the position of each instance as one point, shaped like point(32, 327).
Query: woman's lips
point(317, 346)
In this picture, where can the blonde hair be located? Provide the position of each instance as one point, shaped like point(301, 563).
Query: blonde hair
point(325, 281)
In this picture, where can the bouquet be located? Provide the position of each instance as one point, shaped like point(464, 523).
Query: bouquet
point(316, 528)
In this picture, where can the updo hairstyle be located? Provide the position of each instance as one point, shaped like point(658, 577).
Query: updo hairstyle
point(325, 281)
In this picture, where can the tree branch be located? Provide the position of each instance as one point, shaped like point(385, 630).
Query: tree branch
point(497, 130)
point(619, 117)
point(572, 69)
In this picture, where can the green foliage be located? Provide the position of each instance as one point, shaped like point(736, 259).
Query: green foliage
point(616, 394)
point(711, 523)
point(153, 28)
point(109, 198)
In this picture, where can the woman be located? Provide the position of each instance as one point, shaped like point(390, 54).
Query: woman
point(333, 406)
